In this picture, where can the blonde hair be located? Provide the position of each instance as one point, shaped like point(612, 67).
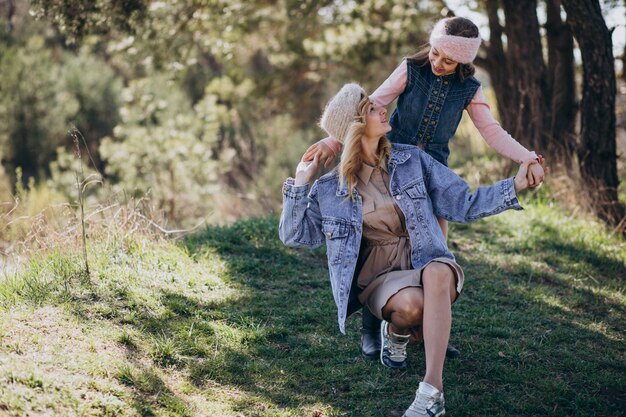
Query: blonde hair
point(352, 154)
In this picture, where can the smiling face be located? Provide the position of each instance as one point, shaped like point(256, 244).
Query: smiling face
point(376, 123)
point(440, 64)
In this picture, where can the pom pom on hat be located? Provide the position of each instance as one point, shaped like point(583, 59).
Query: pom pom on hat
point(341, 111)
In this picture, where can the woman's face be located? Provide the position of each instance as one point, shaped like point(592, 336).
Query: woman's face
point(440, 63)
point(376, 123)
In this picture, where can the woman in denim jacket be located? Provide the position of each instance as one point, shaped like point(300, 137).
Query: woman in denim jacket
point(432, 88)
point(377, 214)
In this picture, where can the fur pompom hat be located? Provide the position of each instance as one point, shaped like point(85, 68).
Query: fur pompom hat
point(341, 111)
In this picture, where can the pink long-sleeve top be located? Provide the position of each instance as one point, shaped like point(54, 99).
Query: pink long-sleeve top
point(478, 109)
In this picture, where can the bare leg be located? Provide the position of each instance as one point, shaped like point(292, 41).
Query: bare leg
point(404, 310)
point(451, 351)
point(439, 293)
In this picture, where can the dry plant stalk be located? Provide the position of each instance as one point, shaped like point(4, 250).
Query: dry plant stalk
point(74, 132)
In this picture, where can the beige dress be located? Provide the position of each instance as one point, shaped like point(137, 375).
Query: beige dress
point(384, 265)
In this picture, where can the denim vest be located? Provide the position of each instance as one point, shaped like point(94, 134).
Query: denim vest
point(429, 110)
point(423, 189)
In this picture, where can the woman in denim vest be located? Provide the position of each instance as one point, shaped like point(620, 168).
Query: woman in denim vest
point(433, 87)
point(377, 214)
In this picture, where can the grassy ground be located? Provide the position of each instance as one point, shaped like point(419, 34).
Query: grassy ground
point(231, 323)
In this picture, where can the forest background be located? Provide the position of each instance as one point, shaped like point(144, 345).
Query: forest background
point(194, 111)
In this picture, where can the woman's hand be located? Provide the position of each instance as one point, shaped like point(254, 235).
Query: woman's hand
point(521, 178)
point(536, 173)
point(321, 150)
point(306, 170)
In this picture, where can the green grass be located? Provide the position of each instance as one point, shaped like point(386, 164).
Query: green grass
point(229, 322)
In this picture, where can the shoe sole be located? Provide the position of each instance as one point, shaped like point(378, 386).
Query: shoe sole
point(452, 352)
point(371, 356)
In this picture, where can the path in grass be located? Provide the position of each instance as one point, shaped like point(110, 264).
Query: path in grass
point(231, 323)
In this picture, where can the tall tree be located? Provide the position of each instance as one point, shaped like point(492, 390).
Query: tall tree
point(526, 73)
point(562, 82)
point(7, 11)
point(518, 73)
point(495, 62)
point(597, 151)
point(538, 103)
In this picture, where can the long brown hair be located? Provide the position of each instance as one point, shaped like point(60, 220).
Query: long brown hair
point(455, 26)
point(352, 154)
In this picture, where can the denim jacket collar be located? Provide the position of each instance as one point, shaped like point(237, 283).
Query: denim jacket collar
point(342, 189)
point(397, 157)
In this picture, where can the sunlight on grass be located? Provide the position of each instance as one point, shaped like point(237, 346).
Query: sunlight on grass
point(136, 286)
point(229, 322)
point(553, 301)
point(601, 328)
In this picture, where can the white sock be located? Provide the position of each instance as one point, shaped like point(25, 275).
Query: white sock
point(426, 388)
point(398, 338)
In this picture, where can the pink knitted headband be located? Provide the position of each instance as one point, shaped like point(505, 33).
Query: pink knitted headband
point(458, 48)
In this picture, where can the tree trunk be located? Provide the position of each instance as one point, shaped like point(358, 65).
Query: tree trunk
point(7, 10)
point(624, 64)
point(562, 80)
point(597, 151)
point(495, 62)
point(528, 75)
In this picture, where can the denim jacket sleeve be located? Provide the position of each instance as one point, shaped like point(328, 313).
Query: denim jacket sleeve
point(452, 199)
point(301, 220)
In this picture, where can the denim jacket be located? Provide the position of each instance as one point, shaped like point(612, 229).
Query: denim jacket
point(423, 189)
point(441, 100)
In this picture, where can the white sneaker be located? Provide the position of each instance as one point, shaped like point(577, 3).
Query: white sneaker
point(428, 402)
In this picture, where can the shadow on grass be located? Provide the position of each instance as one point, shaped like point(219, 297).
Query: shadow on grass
point(556, 343)
point(525, 354)
point(551, 327)
point(561, 251)
point(535, 342)
point(275, 340)
point(150, 394)
point(285, 350)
